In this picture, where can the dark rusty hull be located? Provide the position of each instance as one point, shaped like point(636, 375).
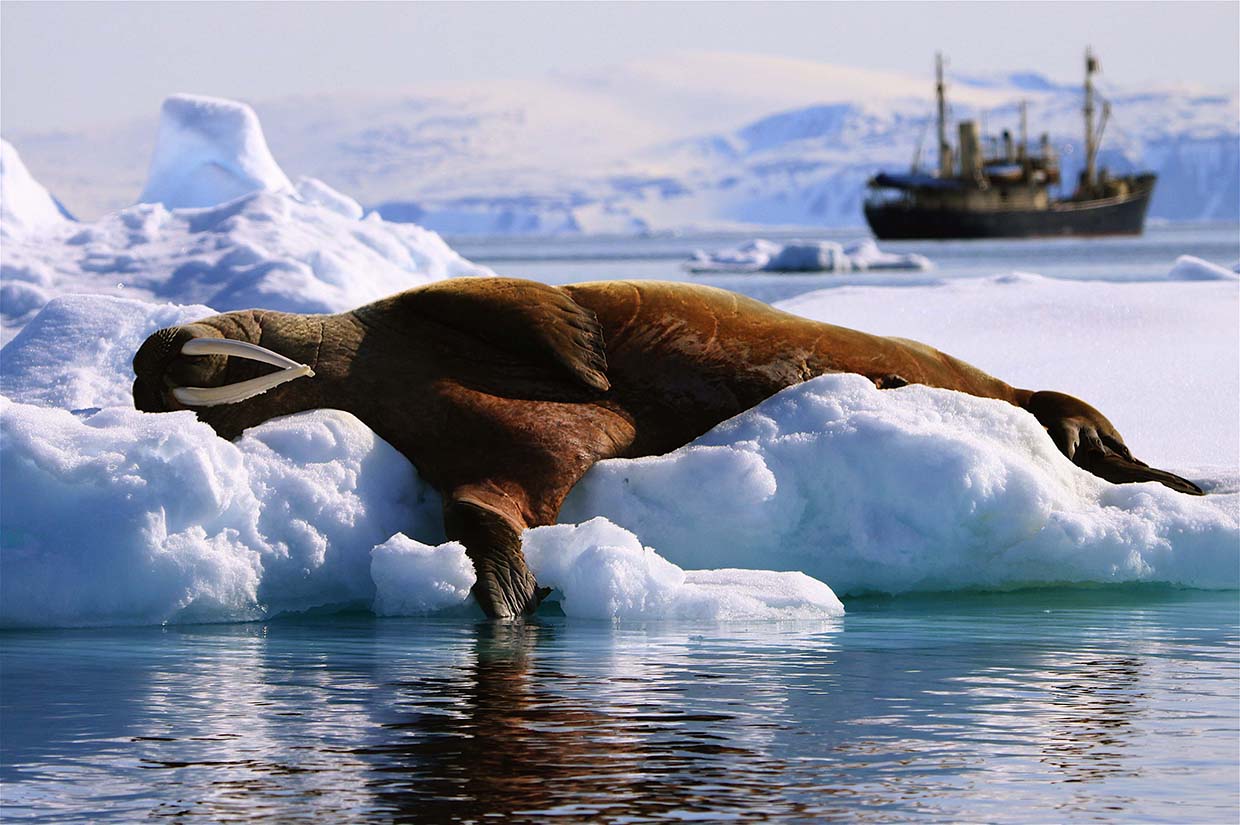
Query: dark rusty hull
point(1107, 216)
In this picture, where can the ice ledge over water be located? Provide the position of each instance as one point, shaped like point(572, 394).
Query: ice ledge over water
point(209, 151)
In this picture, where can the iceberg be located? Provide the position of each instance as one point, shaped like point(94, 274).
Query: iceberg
point(220, 225)
point(25, 206)
point(805, 256)
point(209, 151)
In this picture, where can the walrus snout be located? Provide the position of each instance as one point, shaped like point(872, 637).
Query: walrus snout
point(152, 365)
point(180, 367)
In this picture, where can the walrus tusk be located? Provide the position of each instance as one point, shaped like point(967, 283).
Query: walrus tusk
point(240, 391)
point(241, 349)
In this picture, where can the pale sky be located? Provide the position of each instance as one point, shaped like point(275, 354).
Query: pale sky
point(67, 65)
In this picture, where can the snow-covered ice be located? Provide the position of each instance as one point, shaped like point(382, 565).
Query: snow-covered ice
point(263, 244)
point(761, 255)
point(909, 489)
point(113, 516)
point(1192, 268)
point(209, 151)
point(25, 205)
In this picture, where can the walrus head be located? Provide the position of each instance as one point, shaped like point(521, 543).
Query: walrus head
point(222, 367)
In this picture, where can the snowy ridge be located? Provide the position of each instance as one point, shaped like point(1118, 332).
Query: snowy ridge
point(691, 139)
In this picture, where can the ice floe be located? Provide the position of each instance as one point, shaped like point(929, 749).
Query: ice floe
point(805, 256)
point(115, 516)
point(1192, 268)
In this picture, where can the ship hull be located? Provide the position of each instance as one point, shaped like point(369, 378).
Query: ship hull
point(1106, 216)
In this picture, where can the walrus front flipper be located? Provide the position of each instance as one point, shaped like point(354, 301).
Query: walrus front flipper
point(536, 321)
point(505, 588)
point(1086, 437)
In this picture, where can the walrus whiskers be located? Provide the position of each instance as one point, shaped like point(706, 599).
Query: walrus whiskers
point(240, 391)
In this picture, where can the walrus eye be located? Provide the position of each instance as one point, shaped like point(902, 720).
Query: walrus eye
point(240, 391)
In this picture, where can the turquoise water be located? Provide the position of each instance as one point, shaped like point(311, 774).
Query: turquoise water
point(1019, 707)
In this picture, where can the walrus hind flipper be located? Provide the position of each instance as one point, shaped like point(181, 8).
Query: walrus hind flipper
point(505, 587)
point(1086, 437)
point(525, 318)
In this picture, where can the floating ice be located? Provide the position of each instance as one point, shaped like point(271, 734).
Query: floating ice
point(805, 256)
point(25, 206)
point(1192, 268)
point(209, 151)
point(1159, 359)
point(604, 572)
point(413, 579)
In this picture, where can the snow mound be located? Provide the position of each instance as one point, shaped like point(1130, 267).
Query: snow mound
point(209, 151)
point(264, 250)
point(25, 206)
point(805, 256)
point(77, 353)
point(313, 190)
point(1192, 268)
point(909, 489)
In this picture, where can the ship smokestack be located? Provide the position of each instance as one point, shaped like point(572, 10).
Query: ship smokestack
point(970, 150)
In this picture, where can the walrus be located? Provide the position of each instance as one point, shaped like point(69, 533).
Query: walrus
point(504, 392)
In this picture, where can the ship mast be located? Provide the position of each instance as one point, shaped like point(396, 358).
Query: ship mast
point(1091, 144)
point(945, 149)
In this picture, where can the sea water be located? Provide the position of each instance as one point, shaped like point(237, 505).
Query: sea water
point(1038, 706)
point(1113, 703)
point(582, 258)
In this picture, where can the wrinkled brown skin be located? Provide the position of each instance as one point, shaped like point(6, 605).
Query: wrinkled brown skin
point(504, 392)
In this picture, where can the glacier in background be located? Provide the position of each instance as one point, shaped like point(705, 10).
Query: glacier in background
point(692, 140)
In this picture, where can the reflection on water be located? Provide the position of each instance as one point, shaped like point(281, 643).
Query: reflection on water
point(1014, 707)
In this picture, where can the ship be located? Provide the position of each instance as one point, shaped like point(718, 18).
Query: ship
point(1003, 190)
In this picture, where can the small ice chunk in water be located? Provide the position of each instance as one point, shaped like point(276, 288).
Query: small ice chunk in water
point(412, 578)
point(604, 572)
